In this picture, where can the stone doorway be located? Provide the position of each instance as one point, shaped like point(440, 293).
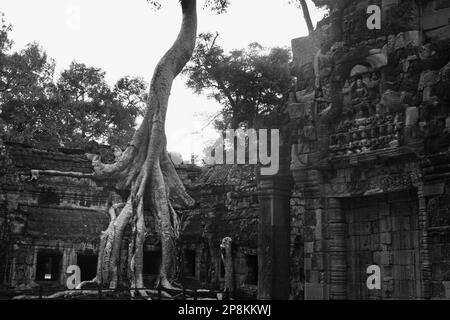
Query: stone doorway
point(383, 230)
point(88, 266)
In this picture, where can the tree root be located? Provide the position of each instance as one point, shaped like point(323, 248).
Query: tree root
point(84, 283)
point(145, 169)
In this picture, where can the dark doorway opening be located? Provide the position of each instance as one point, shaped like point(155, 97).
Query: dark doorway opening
point(48, 266)
point(152, 262)
point(189, 263)
point(252, 270)
point(88, 266)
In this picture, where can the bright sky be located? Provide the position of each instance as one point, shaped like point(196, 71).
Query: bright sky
point(128, 38)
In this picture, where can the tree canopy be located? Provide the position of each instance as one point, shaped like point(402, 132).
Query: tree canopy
point(79, 107)
point(249, 83)
point(219, 6)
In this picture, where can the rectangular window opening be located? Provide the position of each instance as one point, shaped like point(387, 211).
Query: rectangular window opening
point(88, 266)
point(48, 266)
point(152, 262)
point(189, 263)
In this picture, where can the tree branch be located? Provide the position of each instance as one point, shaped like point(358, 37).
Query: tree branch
point(307, 16)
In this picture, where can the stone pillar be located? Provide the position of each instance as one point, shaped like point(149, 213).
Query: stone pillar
point(308, 183)
point(337, 250)
point(274, 238)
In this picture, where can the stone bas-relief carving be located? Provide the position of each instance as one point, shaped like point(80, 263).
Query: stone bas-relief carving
point(365, 194)
point(377, 102)
point(369, 121)
point(367, 134)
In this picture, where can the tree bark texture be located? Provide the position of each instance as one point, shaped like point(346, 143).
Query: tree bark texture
point(145, 169)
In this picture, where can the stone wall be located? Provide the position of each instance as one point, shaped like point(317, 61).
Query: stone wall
point(44, 211)
point(51, 204)
point(370, 161)
point(227, 206)
point(298, 251)
point(437, 195)
point(372, 122)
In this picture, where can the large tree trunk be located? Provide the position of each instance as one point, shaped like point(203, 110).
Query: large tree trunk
point(146, 170)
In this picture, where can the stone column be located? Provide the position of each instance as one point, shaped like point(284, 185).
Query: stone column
point(337, 248)
point(274, 237)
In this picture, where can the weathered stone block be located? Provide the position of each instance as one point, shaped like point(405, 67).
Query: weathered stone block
point(385, 238)
point(403, 257)
point(386, 271)
point(434, 18)
point(439, 34)
point(446, 285)
point(401, 223)
point(386, 4)
point(309, 234)
point(309, 247)
point(412, 116)
point(387, 284)
point(438, 290)
point(375, 225)
point(314, 291)
point(384, 210)
point(296, 110)
point(365, 228)
point(441, 271)
point(386, 258)
point(436, 252)
point(308, 263)
point(446, 251)
point(352, 244)
point(318, 245)
point(310, 218)
point(365, 243)
point(304, 49)
point(317, 261)
point(377, 258)
point(313, 277)
point(318, 234)
point(433, 189)
point(375, 241)
point(385, 224)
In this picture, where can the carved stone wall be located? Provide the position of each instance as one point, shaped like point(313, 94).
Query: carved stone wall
point(47, 212)
point(228, 206)
point(371, 119)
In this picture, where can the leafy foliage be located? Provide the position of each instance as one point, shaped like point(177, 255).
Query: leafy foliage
point(94, 111)
point(218, 6)
point(331, 4)
point(78, 108)
point(5, 42)
point(250, 83)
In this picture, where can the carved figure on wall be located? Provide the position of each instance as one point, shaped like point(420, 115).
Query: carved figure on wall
point(360, 91)
point(307, 137)
point(227, 259)
point(374, 86)
point(347, 94)
point(322, 103)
